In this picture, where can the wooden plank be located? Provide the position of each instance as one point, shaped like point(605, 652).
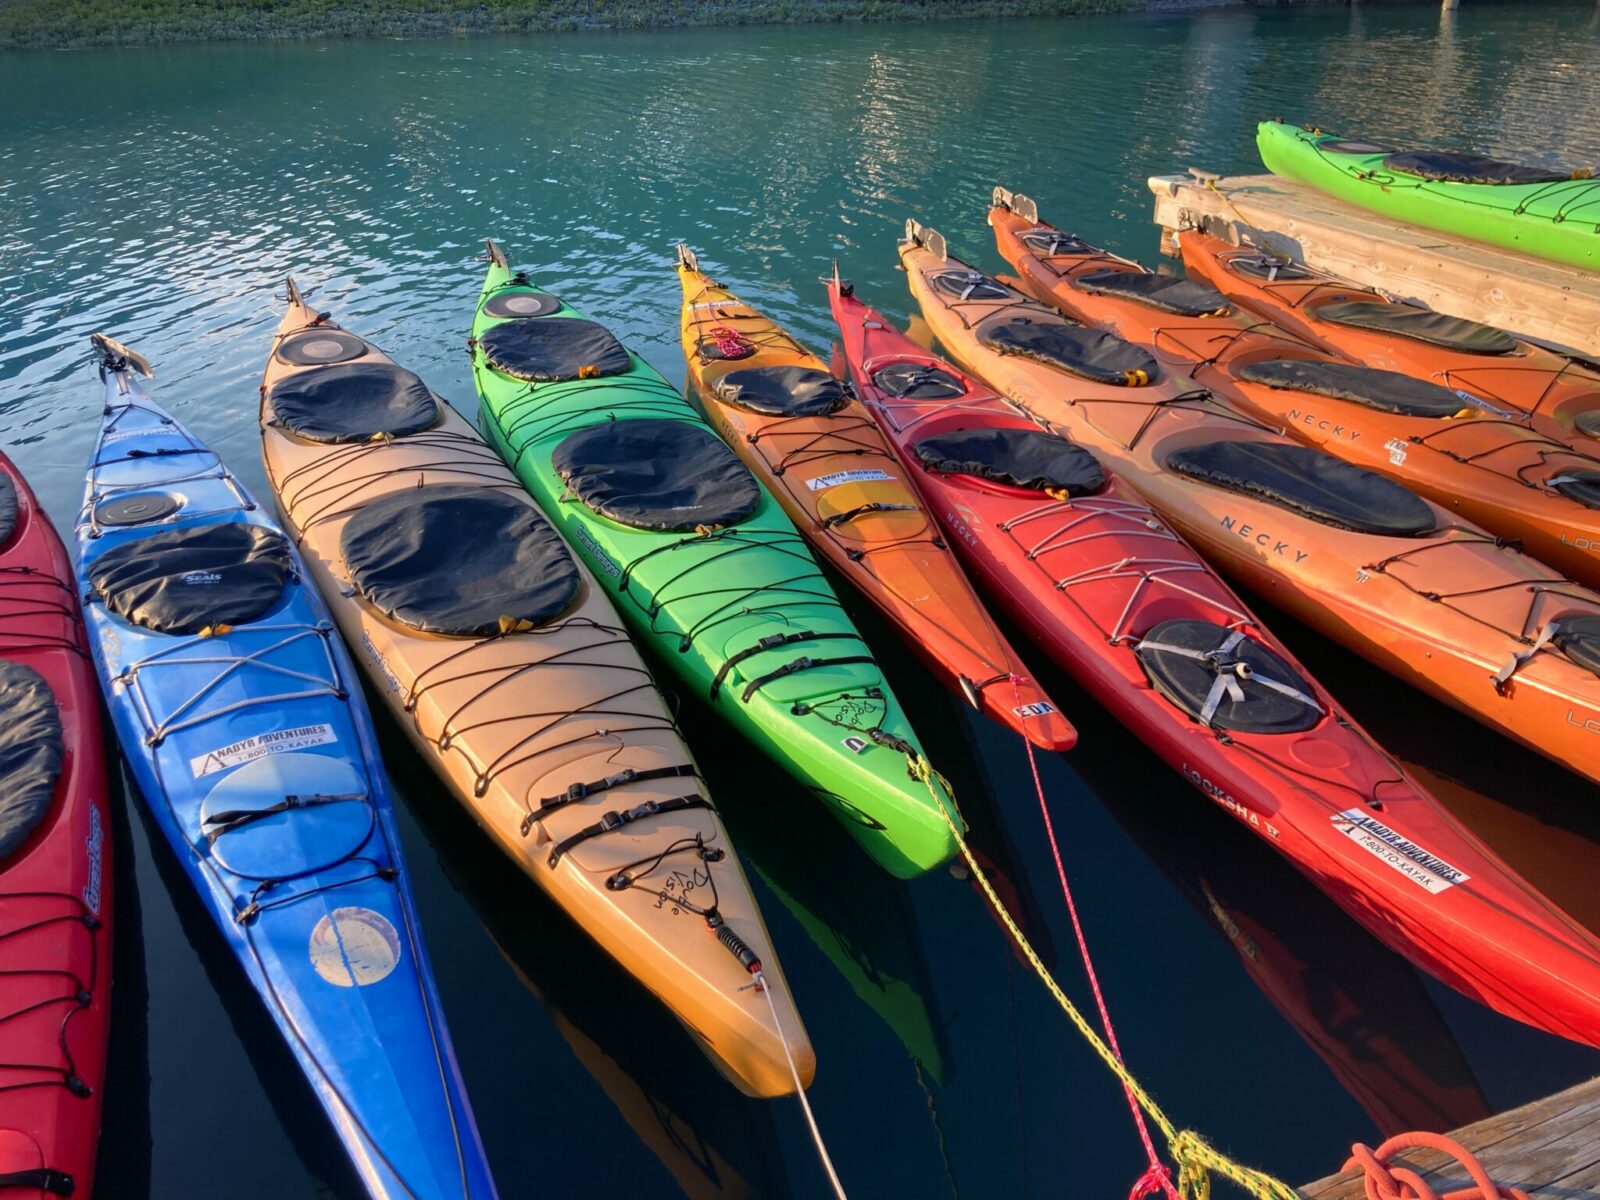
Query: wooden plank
point(1541, 300)
point(1550, 1148)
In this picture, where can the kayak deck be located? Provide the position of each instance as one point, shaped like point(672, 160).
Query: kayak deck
point(251, 745)
point(555, 738)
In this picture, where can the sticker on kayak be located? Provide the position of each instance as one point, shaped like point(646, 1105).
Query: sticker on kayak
point(1397, 451)
point(1039, 708)
point(586, 540)
point(865, 475)
point(122, 435)
point(94, 845)
point(354, 947)
point(280, 742)
point(1411, 860)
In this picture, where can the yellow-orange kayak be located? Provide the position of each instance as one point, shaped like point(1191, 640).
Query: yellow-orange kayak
point(507, 666)
point(821, 454)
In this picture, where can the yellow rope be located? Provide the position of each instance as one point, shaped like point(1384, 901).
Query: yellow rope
point(1196, 1160)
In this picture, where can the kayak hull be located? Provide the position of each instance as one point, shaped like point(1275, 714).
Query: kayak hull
point(1343, 811)
point(1447, 611)
point(313, 901)
point(56, 887)
point(1550, 220)
point(478, 710)
point(823, 467)
point(717, 607)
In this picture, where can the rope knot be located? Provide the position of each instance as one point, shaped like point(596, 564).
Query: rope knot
point(1386, 1180)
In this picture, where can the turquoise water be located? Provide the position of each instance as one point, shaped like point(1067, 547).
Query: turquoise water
point(163, 194)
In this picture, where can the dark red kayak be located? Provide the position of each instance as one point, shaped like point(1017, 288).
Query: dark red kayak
point(55, 866)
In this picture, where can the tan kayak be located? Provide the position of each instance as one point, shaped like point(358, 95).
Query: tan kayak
point(508, 667)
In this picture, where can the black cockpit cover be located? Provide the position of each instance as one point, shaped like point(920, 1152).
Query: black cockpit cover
point(1386, 391)
point(1087, 353)
point(30, 752)
point(186, 580)
point(1579, 640)
point(1181, 297)
point(353, 402)
point(1184, 658)
point(459, 560)
point(918, 381)
point(1588, 422)
point(1450, 166)
point(549, 349)
point(667, 475)
point(1308, 482)
point(782, 391)
point(8, 508)
point(1028, 458)
point(1582, 486)
point(1420, 325)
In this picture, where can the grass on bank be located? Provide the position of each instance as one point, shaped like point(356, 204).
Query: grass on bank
point(47, 24)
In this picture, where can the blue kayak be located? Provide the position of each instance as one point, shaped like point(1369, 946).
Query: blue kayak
point(244, 724)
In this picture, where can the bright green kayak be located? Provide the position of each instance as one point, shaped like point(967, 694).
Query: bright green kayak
point(1549, 213)
point(700, 560)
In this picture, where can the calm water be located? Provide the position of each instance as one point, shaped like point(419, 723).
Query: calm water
point(162, 195)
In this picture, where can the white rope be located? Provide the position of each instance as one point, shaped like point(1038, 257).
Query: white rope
point(800, 1088)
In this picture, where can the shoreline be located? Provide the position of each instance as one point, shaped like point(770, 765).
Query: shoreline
point(51, 25)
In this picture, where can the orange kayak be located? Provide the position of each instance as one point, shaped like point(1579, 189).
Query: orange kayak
point(1494, 472)
point(1373, 566)
point(820, 453)
point(1552, 394)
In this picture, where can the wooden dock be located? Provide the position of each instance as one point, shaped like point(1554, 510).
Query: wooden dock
point(1542, 301)
point(1550, 1149)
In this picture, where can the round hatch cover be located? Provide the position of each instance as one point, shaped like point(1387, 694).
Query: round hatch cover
point(281, 815)
point(520, 304)
point(319, 347)
point(138, 509)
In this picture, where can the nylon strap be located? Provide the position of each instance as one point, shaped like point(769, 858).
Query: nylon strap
point(771, 642)
point(798, 665)
point(45, 1179)
point(578, 791)
point(1506, 672)
point(839, 518)
point(1227, 682)
point(617, 819)
point(235, 818)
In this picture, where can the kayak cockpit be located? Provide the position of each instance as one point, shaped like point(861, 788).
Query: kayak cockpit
point(459, 561)
point(186, 581)
point(1309, 482)
point(1022, 458)
point(782, 391)
point(1421, 325)
point(1179, 297)
point(1087, 353)
point(659, 474)
point(353, 402)
point(553, 349)
point(1384, 391)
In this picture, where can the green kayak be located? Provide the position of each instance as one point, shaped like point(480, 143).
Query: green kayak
point(700, 560)
point(1549, 213)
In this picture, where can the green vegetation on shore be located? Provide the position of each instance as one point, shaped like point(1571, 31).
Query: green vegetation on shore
point(46, 24)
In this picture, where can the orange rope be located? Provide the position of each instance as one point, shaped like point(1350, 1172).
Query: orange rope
point(1387, 1182)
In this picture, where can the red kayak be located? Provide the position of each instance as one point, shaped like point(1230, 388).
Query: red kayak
point(55, 866)
point(1122, 602)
